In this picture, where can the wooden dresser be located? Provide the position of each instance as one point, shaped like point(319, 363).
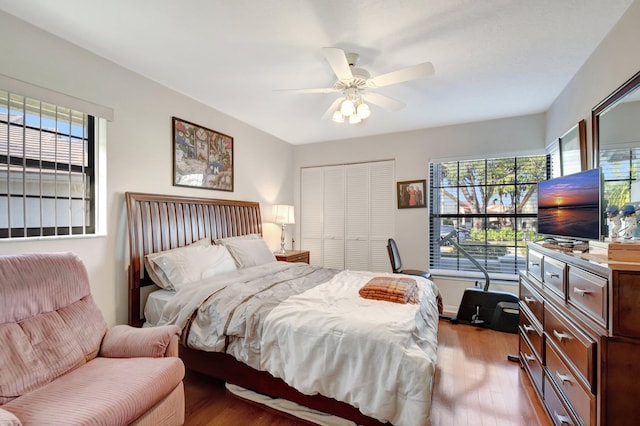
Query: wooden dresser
point(580, 336)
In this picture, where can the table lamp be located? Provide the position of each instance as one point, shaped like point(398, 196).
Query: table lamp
point(283, 215)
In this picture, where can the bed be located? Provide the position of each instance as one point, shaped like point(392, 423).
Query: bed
point(372, 368)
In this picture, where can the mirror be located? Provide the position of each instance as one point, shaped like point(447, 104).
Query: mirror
point(616, 120)
point(616, 150)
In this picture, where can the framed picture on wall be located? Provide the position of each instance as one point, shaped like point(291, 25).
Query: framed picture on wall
point(411, 194)
point(202, 158)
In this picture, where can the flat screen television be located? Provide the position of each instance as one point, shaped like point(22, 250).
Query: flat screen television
point(570, 207)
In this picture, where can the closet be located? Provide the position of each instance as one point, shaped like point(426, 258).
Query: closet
point(347, 215)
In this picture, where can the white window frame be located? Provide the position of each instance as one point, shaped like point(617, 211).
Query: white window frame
point(436, 215)
point(101, 115)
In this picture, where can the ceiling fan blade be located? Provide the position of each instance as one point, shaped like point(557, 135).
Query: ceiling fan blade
point(383, 101)
point(319, 90)
point(328, 114)
point(414, 72)
point(338, 63)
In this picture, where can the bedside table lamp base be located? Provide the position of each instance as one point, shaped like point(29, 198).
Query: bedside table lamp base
point(282, 249)
point(283, 215)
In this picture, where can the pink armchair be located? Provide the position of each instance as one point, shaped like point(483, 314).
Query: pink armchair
point(61, 365)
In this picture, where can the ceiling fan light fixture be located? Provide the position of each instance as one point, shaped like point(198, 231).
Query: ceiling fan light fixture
point(363, 111)
point(337, 117)
point(347, 108)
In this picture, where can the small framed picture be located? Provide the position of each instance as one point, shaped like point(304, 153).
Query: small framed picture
point(202, 158)
point(411, 194)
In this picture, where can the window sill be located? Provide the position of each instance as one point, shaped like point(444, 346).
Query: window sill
point(51, 238)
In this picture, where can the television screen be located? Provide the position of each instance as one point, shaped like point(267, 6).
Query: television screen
point(570, 206)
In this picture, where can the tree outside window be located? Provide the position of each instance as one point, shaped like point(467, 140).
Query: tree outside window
point(492, 203)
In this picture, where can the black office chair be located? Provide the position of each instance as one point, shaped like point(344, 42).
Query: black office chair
point(396, 263)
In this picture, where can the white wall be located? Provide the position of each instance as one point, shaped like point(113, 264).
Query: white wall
point(142, 125)
point(412, 152)
point(613, 62)
point(139, 149)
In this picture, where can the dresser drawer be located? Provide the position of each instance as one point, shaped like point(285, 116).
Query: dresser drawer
point(531, 364)
point(530, 328)
point(534, 264)
point(581, 400)
point(588, 293)
point(553, 278)
point(560, 414)
point(578, 348)
point(532, 300)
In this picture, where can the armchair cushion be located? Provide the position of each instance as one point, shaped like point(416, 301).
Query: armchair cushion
point(105, 391)
point(8, 419)
point(49, 323)
point(123, 341)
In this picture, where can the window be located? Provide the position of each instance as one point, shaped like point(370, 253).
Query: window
point(619, 169)
point(47, 169)
point(492, 203)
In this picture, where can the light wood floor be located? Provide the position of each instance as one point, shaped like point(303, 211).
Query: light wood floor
point(475, 384)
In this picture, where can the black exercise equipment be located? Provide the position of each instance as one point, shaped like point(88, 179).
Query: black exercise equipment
point(482, 307)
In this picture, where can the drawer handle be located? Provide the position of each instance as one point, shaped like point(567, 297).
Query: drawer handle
point(552, 275)
point(529, 357)
point(536, 264)
point(528, 328)
point(561, 336)
point(563, 378)
point(580, 291)
point(563, 420)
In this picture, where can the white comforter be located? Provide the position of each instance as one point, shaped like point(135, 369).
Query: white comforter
point(378, 356)
point(375, 355)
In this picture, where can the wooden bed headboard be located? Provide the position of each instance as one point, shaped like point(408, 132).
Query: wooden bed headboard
point(162, 222)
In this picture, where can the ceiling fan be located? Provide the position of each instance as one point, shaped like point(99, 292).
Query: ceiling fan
point(356, 85)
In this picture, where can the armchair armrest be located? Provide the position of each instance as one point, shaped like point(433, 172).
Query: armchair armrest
point(123, 341)
point(9, 419)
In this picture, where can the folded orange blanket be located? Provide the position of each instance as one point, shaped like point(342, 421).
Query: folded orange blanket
point(391, 289)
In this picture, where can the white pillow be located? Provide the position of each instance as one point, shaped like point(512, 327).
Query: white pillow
point(249, 252)
point(193, 263)
point(155, 272)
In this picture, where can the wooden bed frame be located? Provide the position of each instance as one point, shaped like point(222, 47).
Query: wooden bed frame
point(162, 222)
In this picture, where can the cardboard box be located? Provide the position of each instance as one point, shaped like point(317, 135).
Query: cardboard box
point(620, 250)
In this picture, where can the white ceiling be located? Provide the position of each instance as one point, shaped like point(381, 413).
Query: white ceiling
point(492, 58)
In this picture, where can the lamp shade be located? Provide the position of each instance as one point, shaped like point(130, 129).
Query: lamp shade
point(337, 116)
point(363, 111)
point(283, 214)
point(347, 108)
point(354, 119)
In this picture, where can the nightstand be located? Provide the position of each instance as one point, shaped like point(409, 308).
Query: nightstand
point(293, 256)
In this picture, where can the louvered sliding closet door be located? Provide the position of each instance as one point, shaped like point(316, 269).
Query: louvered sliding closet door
point(311, 217)
point(381, 213)
point(333, 215)
point(357, 217)
point(348, 215)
